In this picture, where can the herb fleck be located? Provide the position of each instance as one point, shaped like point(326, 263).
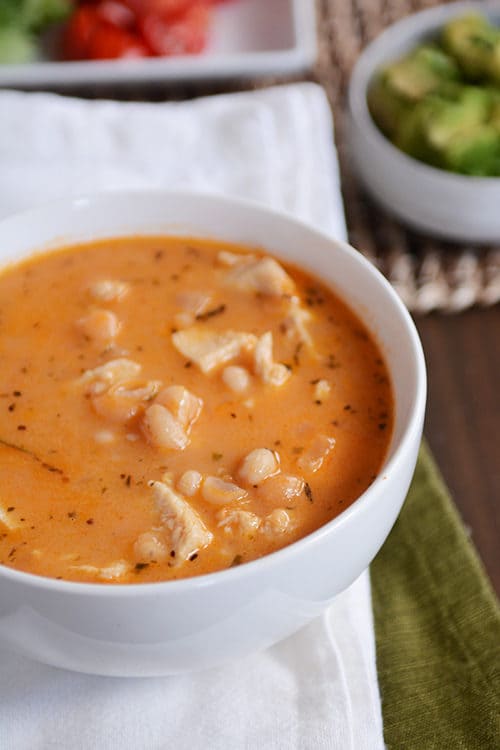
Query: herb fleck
point(296, 353)
point(308, 492)
point(211, 313)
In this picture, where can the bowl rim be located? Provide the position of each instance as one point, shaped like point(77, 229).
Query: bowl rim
point(413, 420)
point(416, 24)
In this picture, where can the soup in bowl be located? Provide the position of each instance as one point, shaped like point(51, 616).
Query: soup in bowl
point(211, 415)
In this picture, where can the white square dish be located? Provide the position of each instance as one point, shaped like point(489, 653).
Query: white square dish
point(248, 38)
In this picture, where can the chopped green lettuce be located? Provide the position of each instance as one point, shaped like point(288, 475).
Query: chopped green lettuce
point(21, 20)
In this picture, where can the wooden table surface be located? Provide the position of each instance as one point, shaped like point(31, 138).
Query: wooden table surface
point(463, 419)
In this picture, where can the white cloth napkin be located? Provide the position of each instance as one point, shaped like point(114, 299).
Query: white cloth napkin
point(318, 689)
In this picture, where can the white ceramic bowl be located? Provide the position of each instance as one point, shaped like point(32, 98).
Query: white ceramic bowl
point(164, 628)
point(434, 201)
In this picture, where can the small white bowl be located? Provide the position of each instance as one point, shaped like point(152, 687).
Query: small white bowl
point(432, 200)
point(178, 626)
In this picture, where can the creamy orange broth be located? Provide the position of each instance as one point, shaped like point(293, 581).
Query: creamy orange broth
point(75, 494)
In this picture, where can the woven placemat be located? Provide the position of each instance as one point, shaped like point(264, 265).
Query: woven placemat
point(427, 273)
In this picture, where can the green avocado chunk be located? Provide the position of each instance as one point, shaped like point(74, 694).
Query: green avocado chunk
point(471, 40)
point(407, 81)
point(475, 151)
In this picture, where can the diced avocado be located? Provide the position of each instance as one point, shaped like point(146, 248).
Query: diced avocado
point(474, 152)
point(387, 109)
point(446, 119)
point(437, 119)
point(420, 73)
point(437, 61)
point(410, 135)
point(16, 46)
point(495, 116)
point(403, 83)
point(494, 64)
point(471, 40)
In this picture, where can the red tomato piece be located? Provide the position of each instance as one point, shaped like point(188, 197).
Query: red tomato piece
point(186, 34)
point(78, 32)
point(166, 9)
point(116, 13)
point(109, 42)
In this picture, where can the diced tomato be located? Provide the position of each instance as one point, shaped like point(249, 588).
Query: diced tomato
point(78, 32)
point(166, 9)
point(117, 13)
point(185, 35)
point(109, 42)
point(90, 34)
point(108, 29)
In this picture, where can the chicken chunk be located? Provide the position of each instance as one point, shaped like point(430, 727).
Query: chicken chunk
point(258, 465)
point(322, 390)
point(189, 483)
point(243, 521)
point(281, 489)
point(184, 405)
point(115, 371)
point(149, 547)
point(109, 573)
point(6, 519)
point(104, 437)
point(272, 373)
point(108, 290)
point(227, 258)
point(123, 401)
point(210, 349)
point(313, 457)
point(277, 522)
point(295, 324)
point(162, 430)
point(236, 378)
point(218, 491)
point(188, 534)
point(191, 304)
point(101, 326)
point(262, 275)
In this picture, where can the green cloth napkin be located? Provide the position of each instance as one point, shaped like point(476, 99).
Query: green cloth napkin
point(437, 627)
